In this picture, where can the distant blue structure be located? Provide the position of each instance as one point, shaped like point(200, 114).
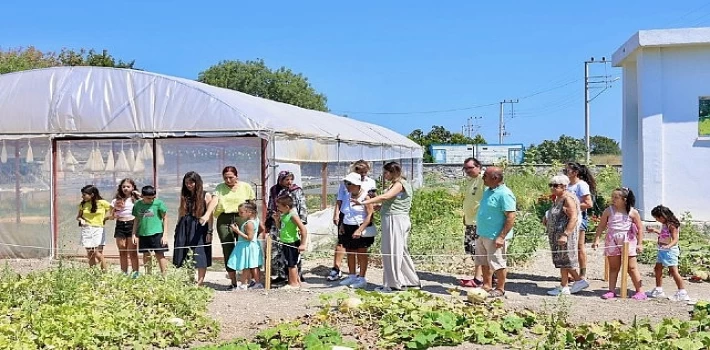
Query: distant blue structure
point(486, 154)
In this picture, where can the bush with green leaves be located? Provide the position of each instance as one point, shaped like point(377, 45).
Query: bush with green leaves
point(69, 307)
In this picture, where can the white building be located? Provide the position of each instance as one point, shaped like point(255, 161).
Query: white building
point(666, 121)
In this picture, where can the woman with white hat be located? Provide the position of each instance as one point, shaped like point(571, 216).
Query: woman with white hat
point(357, 231)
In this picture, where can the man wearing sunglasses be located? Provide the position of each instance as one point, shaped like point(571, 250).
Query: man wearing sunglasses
point(472, 193)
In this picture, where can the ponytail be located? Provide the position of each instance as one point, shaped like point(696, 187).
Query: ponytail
point(585, 175)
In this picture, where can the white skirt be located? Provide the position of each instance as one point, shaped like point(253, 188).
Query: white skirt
point(92, 237)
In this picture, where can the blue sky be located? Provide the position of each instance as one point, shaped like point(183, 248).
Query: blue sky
point(389, 56)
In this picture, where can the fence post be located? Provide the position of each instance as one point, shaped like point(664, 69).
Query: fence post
point(624, 270)
point(267, 268)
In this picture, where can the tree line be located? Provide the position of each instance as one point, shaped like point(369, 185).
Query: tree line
point(251, 77)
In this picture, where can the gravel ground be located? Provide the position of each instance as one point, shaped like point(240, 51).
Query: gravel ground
point(244, 313)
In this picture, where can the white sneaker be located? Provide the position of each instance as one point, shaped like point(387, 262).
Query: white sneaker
point(359, 283)
point(579, 286)
point(256, 285)
point(334, 275)
point(655, 293)
point(679, 296)
point(348, 281)
point(559, 290)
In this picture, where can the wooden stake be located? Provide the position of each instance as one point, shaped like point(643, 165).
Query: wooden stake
point(606, 268)
point(624, 270)
point(267, 269)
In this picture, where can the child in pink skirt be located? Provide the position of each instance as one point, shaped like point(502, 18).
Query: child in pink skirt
point(621, 222)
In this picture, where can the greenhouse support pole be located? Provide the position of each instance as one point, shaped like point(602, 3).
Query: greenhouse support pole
point(264, 174)
point(177, 171)
point(324, 186)
point(54, 218)
point(155, 165)
point(17, 182)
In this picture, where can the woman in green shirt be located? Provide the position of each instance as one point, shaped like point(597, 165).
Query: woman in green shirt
point(225, 203)
point(399, 271)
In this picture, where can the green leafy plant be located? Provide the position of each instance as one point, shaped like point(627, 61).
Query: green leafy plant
point(79, 308)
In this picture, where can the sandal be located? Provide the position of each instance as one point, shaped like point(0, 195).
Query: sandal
point(640, 296)
point(468, 283)
point(609, 295)
point(496, 293)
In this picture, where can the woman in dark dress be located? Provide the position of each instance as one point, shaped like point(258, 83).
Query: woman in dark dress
point(284, 187)
point(190, 235)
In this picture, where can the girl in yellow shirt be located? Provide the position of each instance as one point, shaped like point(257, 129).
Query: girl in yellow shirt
point(93, 212)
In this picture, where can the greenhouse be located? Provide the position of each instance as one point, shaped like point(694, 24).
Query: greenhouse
point(63, 128)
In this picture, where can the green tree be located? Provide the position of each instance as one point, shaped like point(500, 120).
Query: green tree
point(14, 60)
point(565, 149)
point(255, 78)
point(603, 145)
point(570, 149)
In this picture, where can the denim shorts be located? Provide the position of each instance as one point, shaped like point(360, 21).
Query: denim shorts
point(584, 223)
point(668, 257)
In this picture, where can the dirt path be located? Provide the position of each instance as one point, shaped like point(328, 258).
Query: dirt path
point(244, 313)
point(527, 288)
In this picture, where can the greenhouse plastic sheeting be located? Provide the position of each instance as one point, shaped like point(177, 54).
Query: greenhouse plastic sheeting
point(103, 102)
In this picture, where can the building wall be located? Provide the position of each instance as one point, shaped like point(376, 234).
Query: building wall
point(674, 163)
point(630, 129)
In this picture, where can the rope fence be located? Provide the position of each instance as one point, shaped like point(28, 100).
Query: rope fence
point(270, 241)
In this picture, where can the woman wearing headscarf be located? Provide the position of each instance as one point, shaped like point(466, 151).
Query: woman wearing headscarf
point(284, 187)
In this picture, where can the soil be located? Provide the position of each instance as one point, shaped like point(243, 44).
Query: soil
point(245, 313)
point(526, 289)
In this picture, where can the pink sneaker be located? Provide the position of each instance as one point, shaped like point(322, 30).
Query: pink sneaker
point(609, 295)
point(640, 296)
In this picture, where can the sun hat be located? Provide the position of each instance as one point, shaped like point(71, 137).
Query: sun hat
point(353, 178)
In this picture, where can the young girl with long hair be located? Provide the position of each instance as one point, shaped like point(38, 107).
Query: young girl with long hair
point(668, 253)
point(122, 212)
point(93, 213)
point(190, 234)
point(622, 224)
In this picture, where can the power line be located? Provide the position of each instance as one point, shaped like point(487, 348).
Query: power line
point(679, 20)
point(536, 93)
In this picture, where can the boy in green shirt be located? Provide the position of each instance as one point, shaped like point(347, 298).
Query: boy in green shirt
point(293, 236)
point(148, 227)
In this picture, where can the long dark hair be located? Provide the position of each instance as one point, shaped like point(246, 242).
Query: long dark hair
point(119, 192)
point(197, 196)
point(629, 196)
point(665, 213)
point(584, 174)
point(95, 196)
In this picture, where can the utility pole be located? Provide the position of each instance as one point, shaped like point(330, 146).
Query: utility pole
point(606, 81)
point(501, 127)
point(468, 129)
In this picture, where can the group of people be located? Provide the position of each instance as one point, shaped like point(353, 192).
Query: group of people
point(141, 223)
point(489, 214)
point(489, 217)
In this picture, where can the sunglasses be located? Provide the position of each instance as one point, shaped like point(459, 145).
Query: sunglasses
point(347, 183)
point(555, 185)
